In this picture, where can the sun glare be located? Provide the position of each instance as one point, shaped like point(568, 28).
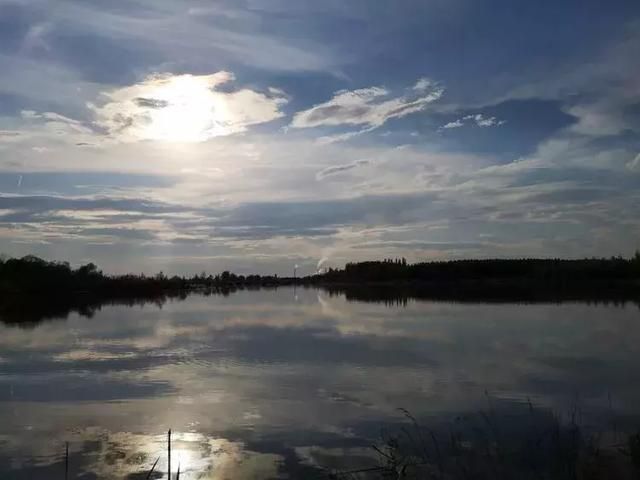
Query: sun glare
point(184, 109)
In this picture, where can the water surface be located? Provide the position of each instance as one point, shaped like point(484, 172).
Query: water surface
point(284, 383)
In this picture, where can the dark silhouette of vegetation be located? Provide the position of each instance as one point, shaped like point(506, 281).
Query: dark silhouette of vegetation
point(28, 310)
point(486, 446)
point(31, 274)
point(32, 289)
point(615, 279)
point(61, 289)
point(545, 270)
point(530, 444)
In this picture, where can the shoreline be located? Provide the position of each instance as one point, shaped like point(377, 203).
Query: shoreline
point(32, 307)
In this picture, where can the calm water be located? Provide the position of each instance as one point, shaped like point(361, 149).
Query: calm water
point(279, 383)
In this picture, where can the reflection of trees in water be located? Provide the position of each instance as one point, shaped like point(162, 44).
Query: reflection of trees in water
point(399, 294)
point(30, 309)
point(33, 289)
point(615, 280)
point(26, 310)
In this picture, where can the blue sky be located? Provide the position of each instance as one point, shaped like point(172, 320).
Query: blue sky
point(253, 135)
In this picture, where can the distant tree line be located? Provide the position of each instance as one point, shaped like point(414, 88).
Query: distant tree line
point(31, 274)
point(542, 270)
point(33, 289)
point(394, 281)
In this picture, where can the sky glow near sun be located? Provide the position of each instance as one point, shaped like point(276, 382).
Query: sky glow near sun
point(184, 108)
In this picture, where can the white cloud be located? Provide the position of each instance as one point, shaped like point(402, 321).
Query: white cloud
point(423, 84)
point(457, 124)
point(369, 107)
point(343, 137)
point(56, 123)
point(600, 118)
point(597, 90)
point(479, 119)
point(483, 121)
point(184, 108)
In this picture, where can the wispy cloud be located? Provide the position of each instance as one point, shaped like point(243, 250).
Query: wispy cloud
point(56, 123)
point(9, 134)
point(343, 137)
point(477, 119)
point(369, 107)
point(327, 172)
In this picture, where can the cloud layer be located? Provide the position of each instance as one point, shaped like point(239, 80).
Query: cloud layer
point(189, 136)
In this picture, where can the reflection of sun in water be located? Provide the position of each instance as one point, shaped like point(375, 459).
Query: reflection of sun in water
point(122, 455)
point(187, 453)
point(184, 459)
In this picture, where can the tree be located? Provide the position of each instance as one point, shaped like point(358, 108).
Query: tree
point(88, 269)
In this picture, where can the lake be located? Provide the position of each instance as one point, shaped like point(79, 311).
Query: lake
point(288, 383)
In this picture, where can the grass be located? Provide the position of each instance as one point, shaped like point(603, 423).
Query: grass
point(484, 447)
point(152, 468)
point(481, 450)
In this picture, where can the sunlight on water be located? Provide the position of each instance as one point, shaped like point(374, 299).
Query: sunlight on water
point(267, 383)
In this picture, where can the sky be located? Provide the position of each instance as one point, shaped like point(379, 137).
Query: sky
point(255, 135)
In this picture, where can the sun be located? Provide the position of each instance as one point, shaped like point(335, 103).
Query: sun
point(183, 109)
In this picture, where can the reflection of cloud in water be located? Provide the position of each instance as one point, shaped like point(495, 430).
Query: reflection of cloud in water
point(258, 362)
point(89, 355)
point(338, 397)
point(339, 459)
